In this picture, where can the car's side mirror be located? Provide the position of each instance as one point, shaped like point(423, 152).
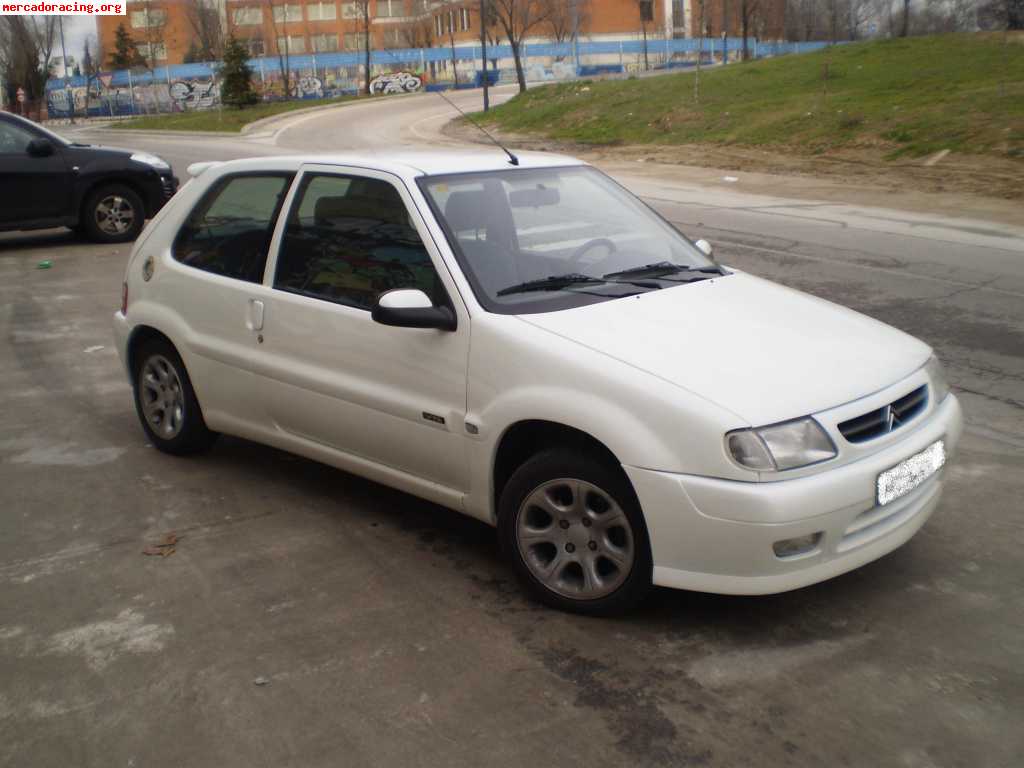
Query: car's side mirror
point(704, 247)
point(39, 148)
point(411, 308)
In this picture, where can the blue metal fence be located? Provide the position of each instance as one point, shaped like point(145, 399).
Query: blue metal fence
point(183, 87)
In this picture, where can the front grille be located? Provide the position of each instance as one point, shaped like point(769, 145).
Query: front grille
point(885, 419)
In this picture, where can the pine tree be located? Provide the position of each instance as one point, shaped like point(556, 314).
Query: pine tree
point(236, 76)
point(125, 54)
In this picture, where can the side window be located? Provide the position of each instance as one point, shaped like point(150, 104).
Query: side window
point(348, 240)
point(13, 139)
point(228, 232)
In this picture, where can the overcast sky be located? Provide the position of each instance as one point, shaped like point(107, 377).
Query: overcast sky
point(76, 30)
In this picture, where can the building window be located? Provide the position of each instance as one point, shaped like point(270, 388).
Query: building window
point(392, 38)
point(324, 43)
point(390, 8)
point(439, 25)
point(463, 19)
point(353, 41)
point(351, 11)
point(255, 46)
point(150, 17)
point(153, 51)
point(321, 11)
point(291, 44)
point(284, 13)
point(249, 15)
point(647, 10)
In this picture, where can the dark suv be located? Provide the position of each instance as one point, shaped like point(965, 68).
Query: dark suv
point(47, 181)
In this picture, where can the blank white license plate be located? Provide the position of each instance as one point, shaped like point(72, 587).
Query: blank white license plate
point(908, 474)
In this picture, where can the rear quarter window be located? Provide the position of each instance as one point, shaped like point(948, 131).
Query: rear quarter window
point(228, 232)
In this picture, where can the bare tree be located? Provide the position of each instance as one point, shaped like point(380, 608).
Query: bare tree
point(566, 19)
point(646, 8)
point(283, 52)
point(748, 11)
point(26, 53)
point(363, 8)
point(155, 21)
point(204, 19)
point(905, 27)
point(418, 32)
point(517, 18)
point(700, 52)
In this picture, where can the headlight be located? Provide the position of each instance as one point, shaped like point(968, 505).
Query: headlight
point(153, 160)
point(937, 377)
point(781, 446)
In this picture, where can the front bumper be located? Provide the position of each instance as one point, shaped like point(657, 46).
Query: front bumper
point(704, 538)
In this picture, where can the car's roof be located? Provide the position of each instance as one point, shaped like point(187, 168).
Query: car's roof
point(410, 163)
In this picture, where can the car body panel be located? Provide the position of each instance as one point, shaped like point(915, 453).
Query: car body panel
point(765, 351)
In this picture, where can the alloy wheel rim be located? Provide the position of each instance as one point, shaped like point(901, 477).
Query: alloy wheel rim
point(162, 397)
point(114, 215)
point(575, 539)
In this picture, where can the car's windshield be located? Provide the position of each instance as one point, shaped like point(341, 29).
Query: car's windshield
point(537, 240)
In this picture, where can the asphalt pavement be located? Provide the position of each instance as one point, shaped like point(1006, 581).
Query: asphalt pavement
point(311, 618)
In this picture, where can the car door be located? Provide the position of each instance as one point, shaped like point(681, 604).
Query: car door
point(393, 396)
point(32, 187)
point(215, 283)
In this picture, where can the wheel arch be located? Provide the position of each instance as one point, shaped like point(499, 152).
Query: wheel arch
point(527, 437)
point(102, 181)
point(139, 336)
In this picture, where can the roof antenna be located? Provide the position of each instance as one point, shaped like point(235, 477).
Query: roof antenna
point(511, 158)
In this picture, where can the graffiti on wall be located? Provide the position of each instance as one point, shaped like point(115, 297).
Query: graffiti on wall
point(194, 94)
point(395, 82)
point(308, 87)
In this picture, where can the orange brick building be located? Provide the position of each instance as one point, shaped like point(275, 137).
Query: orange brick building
point(164, 30)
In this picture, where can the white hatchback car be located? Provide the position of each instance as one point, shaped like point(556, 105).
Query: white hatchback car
point(535, 347)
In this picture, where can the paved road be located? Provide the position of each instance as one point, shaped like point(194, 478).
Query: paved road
point(387, 630)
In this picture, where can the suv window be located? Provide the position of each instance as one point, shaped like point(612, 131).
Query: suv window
point(13, 139)
point(348, 240)
point(228, 232)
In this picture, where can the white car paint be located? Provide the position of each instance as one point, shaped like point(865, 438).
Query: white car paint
point(659, 378)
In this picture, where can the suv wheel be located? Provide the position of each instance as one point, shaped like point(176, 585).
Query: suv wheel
point(166, 402)
point(112, 213)
point(572, 527)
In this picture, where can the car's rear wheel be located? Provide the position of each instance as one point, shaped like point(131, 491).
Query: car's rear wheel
point(166, 402)
point(113, 213)
point(572, 527)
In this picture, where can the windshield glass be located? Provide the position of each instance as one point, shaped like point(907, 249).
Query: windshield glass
point(538, 240)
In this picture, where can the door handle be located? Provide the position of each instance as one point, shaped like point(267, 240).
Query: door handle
point(255, 320)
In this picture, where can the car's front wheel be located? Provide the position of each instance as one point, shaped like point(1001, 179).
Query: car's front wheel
point(112, 213)
point(572, 527)
point(166, 402)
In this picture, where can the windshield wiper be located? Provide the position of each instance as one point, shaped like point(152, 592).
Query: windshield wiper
point(659, 268)
point(553, 283)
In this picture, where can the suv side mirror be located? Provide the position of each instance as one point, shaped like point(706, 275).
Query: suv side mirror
point(411, 308)
point(39, 148)
point(704, 247)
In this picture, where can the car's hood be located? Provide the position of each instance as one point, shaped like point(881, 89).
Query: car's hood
point(765, 352)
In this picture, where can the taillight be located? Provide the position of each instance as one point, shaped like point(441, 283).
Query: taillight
point(124, 298)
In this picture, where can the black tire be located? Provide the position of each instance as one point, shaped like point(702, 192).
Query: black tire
point(184, 433)
point(106, 227)
point(538, 475)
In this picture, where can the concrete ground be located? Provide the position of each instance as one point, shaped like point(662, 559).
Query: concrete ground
point(311, 618)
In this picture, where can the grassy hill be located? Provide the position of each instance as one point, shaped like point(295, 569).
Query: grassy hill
point(910, 96)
